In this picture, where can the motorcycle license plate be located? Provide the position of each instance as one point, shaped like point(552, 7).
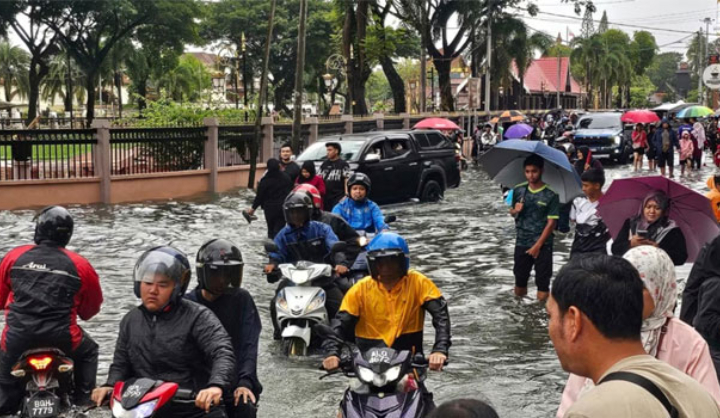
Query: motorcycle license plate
point(43, 405)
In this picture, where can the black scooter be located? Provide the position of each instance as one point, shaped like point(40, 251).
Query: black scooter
point(392, 382)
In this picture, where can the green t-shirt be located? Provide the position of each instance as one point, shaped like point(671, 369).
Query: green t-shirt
point(540, 205)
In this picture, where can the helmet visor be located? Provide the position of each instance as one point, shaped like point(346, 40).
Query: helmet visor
point(387, 264)
point(157, 267)
point(219, 277)
point(297, 216)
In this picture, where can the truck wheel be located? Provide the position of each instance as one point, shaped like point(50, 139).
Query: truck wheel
point(432, 192)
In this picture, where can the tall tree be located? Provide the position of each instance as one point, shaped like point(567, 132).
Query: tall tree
point(25, 17)
point(63, 72)
point(603, 26)
point(662, 71)
point(14, 62)
point(186, 81)
point(90, 29)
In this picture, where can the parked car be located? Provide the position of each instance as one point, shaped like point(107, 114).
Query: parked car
point(604, 134)
point(401, 164)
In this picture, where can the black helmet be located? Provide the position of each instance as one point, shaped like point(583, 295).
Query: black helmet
point(166, 261)
point(219, 264)
point(361, 179)
point(298, 208)
point(54, 224)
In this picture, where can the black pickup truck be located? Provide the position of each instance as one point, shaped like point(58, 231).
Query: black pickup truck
point(401, 164)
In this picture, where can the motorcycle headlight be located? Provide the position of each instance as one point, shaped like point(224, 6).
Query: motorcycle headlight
point(318, 301)
point(141, 411)
point(365, 375)
point(281, 302)
point(392, 374)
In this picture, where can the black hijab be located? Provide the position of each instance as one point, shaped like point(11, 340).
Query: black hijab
point(309, 166)
point(707, 265)
point(657, 230)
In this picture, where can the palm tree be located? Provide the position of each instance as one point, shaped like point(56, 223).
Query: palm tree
point(587, 51)
point(14, 62)
point(187, 80)
point(57, 82)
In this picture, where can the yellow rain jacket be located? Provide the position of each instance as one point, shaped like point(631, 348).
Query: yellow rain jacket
point(714, 196)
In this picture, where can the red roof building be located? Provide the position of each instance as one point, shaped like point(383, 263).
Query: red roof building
point(542, 81)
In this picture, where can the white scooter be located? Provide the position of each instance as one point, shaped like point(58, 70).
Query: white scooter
point(301, 304)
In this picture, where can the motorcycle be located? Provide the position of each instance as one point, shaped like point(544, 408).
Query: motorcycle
point(391, 382)
point(460, 158)
point(46, 374)
point(301, 304)
point(144, 398)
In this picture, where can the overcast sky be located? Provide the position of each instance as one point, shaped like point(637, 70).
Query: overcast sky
point(670, 21)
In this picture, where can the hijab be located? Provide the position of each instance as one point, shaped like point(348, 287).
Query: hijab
point(659, 229)
point(273, 172)
point(657, 272)
point(706, 265)
point(309, 166)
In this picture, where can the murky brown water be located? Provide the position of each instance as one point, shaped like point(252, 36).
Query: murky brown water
point(501, 351)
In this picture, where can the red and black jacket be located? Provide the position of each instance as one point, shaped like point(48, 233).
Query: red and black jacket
point(43, 289)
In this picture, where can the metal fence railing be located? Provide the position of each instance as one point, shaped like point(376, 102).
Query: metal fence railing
point(234, 145)
point(155, 150)
point(365, 125)
point(27, 154)
point(331, 128)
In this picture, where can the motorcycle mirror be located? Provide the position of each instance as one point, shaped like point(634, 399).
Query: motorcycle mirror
point(339, 247)
point(270, 246)
point(390, 219)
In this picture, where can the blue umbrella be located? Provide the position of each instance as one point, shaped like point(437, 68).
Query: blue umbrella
point(504, 163)
point(519, 130)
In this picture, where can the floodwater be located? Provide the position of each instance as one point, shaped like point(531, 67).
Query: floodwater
point(501, 351)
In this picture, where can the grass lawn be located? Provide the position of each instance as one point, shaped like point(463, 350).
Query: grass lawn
point(50, 151)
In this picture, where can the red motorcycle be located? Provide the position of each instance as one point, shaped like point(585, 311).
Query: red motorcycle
point(143, 398)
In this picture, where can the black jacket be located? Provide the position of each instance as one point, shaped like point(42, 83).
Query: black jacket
point(186, 345)
point(272, 190)
point(706, 266)
point(707, 319)
point(291, 169)
point(673, 244)
point(237, 312)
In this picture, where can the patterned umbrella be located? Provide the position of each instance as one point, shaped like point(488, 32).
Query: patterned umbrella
point(508, 116)
point(695, 112)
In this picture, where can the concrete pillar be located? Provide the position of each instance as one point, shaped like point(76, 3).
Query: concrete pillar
point(103, 162)
point(406, 120)
point(379, 121)
point(211, 152)
point(268, 138)
point(348, 119)
point(313, 122)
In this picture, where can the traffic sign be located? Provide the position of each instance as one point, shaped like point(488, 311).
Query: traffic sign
point(711, 77)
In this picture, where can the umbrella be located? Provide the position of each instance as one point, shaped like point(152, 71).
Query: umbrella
point(695, 112)
point(436, 123)
point(690, 210)
point(508, 116)
point(519, 130)
point(504, 163)
point(640, 116)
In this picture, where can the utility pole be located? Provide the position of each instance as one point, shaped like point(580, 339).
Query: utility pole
point(559, 64)
point(263, 91)
point(69, 91)
point(488, 59)
point(706, 52)
point(423, 72)
point(245, 86)
point(237, 78)
point(299, 72)
point(699, 61)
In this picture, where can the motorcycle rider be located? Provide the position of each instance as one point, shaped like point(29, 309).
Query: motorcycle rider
point(388, 308)
point(43, 289)
point(171, 339)
point(219, 267)
point(308, 240)
point(550, 132)
point(487, 137)
point(360, 212)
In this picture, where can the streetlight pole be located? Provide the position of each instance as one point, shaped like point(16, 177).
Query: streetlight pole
point(297, 117)
point(488, 58)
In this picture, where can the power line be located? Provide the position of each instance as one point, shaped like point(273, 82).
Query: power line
point(610, 23)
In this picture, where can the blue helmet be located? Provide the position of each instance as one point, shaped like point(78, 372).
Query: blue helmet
point(391, 245)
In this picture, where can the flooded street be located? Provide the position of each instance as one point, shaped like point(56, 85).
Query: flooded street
point(501, 351)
